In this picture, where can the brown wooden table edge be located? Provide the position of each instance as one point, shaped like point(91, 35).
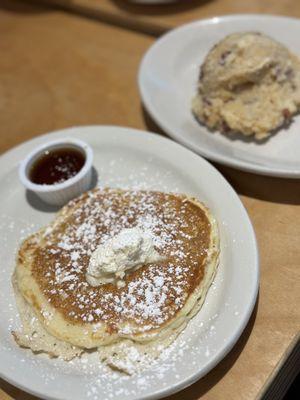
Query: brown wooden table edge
point(280, 366)
point(4, 395)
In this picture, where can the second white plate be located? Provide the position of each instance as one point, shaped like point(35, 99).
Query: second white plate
point(168, 78)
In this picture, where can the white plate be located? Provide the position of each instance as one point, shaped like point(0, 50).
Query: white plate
point(134, 159)
point(168, 78)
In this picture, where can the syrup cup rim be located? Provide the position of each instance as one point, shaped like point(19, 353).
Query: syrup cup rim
point(28, 161)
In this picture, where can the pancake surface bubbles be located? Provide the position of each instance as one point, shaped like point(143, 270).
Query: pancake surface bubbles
point(157, 299)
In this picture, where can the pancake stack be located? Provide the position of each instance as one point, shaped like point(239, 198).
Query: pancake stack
point(64, 316)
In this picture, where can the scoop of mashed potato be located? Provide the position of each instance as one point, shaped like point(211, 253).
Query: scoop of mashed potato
point(250, 84)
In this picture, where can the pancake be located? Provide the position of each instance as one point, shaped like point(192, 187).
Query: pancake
point(34, 335)
point(157, 300)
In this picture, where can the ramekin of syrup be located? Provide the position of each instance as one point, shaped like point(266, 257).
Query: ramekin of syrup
point(58, 170)
point(56, 166)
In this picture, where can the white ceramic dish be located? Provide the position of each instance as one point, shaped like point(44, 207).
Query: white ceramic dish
point(167, 80)
point(60, 193)
point(129, 158)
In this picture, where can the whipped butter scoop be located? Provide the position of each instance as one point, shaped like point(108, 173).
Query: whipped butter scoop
point(128, 250)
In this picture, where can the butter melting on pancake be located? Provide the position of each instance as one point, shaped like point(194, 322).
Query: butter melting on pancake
point(157, 298)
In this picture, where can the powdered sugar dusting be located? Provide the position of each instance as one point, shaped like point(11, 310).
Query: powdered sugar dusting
point(97, 380)
point(156, 293)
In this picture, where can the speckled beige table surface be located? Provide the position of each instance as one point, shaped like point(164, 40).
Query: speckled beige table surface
point(60, 70)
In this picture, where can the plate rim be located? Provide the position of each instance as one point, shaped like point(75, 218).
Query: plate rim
point(243, 165)
point(172, 388)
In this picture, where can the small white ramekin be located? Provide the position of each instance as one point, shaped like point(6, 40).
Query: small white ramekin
point(60, 193)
